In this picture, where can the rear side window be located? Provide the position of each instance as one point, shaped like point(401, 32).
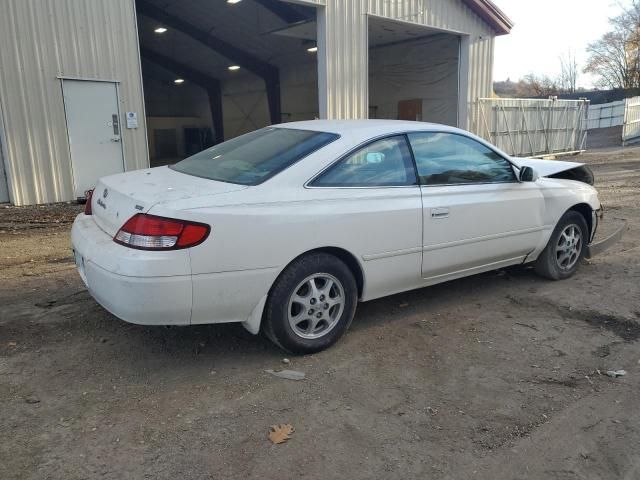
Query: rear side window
point(382, 163)
point(255, 157)
point(452, 159)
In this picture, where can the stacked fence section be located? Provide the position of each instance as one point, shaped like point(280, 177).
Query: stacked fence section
point(606, 115)
point(532, 127)
point(631, 128)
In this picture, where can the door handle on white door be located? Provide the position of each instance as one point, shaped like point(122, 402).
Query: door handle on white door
point(115, 124)
point(115, 139)
point(440, 212)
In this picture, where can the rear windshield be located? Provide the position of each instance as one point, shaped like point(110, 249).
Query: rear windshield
point(253, 158)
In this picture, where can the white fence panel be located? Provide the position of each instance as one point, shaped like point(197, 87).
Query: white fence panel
point(532, 127)
point(606, 115)
point(631, 128)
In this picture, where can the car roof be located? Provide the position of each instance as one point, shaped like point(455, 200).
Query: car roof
point(356, 131)
point(366, 127)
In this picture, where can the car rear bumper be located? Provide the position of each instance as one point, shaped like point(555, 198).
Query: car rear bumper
point(135, 286)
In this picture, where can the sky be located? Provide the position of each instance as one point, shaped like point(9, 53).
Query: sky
point(544, 30)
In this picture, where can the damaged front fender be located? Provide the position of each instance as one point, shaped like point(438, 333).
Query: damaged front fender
point(558, 169)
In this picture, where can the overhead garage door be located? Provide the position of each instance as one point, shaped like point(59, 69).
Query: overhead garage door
point(417, 78)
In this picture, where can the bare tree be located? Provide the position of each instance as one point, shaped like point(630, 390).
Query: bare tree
point(615, 58)
point(569, 72)
point(539, 85)
point(531, 85)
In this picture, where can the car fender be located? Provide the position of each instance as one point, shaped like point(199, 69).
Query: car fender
point(561, 196)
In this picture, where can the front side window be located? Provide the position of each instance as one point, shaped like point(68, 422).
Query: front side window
point(253, 158)
point(452, 159)
point(382, 163)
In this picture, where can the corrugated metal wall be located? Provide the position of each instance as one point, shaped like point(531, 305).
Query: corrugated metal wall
point(343, 29)
point(4, 189)
point(42, 40)
point(343, 62)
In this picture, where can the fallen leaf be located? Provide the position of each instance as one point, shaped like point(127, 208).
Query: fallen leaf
point(280, 433)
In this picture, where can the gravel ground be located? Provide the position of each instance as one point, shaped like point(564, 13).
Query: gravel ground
point(490, 377)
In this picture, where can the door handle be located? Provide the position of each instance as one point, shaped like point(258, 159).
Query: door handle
point(439, 213)
point(115, 139)
point(115, 123)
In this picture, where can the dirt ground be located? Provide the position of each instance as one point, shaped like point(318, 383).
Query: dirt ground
point(490, 377)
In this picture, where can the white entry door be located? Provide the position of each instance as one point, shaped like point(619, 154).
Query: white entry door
point(93, 124)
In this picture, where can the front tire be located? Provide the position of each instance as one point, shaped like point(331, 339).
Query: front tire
point(311, 304)
point(566, 248)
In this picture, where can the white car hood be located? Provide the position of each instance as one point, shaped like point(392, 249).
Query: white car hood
point(544, 168)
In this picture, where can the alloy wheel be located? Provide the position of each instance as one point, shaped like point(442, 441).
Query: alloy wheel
point(316, 305)
point(569, 247)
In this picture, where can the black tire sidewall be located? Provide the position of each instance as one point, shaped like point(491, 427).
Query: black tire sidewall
point(549, 256)
point(276, 320)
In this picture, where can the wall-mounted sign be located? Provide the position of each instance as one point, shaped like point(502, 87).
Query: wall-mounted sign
point(132, 119)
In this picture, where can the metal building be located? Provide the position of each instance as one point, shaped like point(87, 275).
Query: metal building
point(89, 87)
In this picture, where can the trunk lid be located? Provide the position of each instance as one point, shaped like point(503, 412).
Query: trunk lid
point(117, 198)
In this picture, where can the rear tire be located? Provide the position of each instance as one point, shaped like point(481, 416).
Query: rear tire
point(311, 304)
point(566, 248)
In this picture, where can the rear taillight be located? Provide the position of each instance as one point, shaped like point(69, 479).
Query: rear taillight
point(87, 206)
point(149, 232)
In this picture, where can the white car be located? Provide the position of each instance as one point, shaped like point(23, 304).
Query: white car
point(287, 228)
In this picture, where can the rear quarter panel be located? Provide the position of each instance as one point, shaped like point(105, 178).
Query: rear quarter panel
point(381, 228)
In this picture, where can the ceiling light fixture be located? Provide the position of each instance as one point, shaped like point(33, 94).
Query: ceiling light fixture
point(160, 30)
point(178, 81)
point(313, 49)
point(233, 1)
point(233, 68)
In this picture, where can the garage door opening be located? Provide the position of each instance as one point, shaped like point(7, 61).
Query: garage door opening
point(413, 72)
point(215, 70)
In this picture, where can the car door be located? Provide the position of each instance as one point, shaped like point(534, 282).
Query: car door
point(477, 215)
point(372, 204)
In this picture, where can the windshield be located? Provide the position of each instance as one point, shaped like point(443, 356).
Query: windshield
point(253, 158)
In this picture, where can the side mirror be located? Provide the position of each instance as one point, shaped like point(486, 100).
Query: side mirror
point(528, 174)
